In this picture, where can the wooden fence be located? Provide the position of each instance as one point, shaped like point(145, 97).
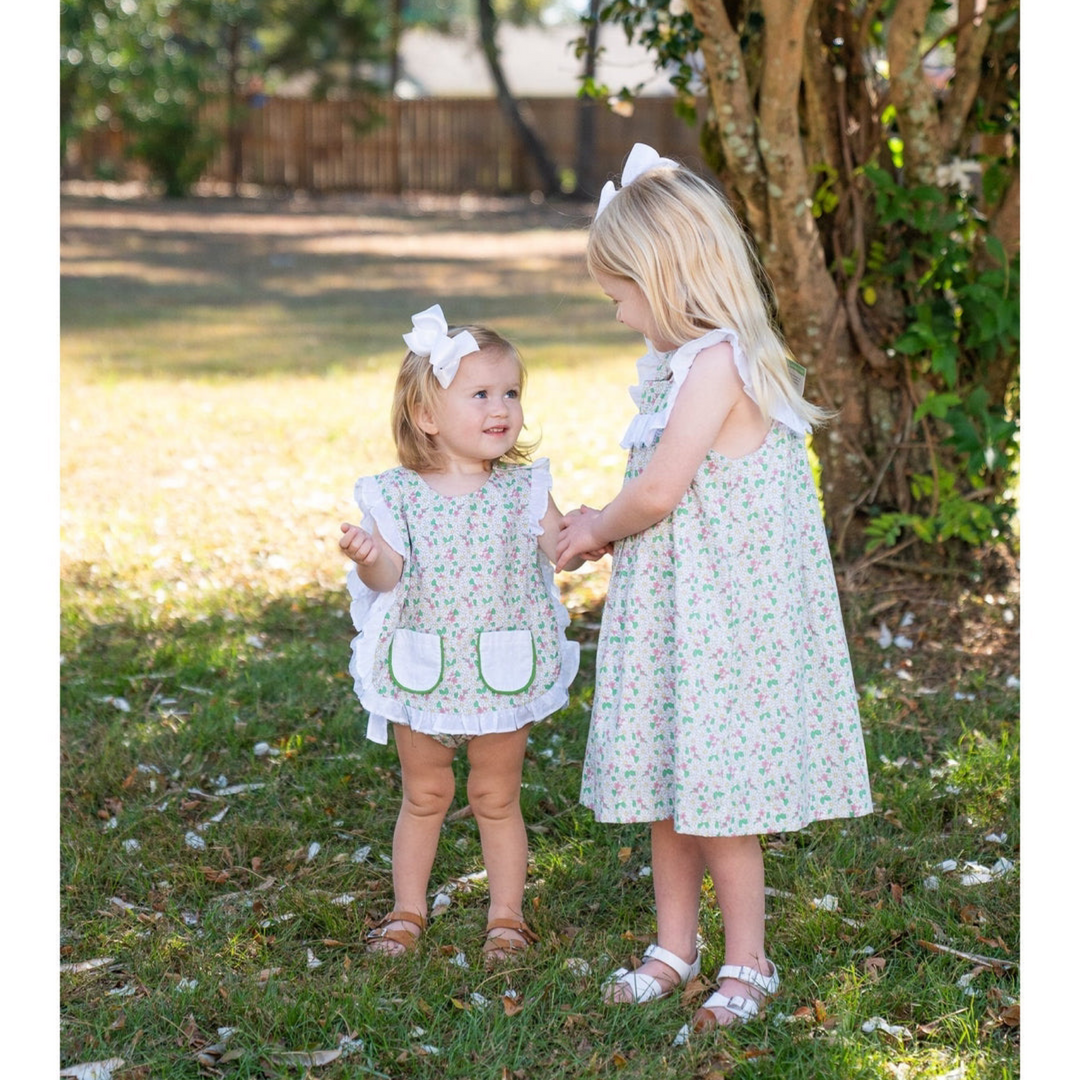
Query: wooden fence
point(445, 145)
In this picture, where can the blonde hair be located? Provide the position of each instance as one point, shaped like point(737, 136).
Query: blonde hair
point(417, 391)
point(678, 240)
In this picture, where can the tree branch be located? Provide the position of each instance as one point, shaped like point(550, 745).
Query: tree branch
point(910, 92)
point(1005, 224)
point(730, 96)
point(972, 36)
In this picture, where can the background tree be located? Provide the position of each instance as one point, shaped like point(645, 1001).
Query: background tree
point(151, 65)
point(511, 107)
point(872, 147)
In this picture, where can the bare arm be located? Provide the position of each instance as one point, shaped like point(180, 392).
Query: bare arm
point(378, 565)
point(712, 389)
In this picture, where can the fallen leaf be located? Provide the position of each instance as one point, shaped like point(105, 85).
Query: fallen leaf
point(304, 1057)
point(874, 966)
point(511, 1006)
point(1010, 1016)
point(695, 986)
point(895, 1031)
point(86, 965)
point(189, 1033)
point(94, 1070)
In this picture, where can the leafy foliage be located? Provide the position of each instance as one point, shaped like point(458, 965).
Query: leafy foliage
point(963, 324)
point(149, 66)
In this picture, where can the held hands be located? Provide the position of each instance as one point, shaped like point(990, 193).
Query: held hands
point(578, 536)
point(360, 546)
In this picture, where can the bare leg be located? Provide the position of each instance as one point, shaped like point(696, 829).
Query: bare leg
point(427, 782)
point(738, 872)
point(678, 866)
point(495, 763)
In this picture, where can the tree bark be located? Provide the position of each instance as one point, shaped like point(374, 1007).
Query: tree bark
point(585, 157)
point(511, 107)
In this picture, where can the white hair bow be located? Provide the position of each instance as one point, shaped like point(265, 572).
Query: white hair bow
point(429, 338)
point(640, 160)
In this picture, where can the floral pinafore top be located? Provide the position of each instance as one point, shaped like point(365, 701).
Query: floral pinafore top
point(472, 638)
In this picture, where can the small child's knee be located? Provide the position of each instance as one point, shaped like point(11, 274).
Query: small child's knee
point(426, 800)
point(494, 804)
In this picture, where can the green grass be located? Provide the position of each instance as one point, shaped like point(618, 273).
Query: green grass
point(217, 405)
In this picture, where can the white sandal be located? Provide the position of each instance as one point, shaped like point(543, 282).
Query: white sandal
point(648, 987)
point(742, 1008)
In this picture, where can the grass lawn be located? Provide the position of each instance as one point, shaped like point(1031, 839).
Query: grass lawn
point(225, 828)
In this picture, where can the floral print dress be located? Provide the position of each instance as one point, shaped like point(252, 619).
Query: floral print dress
point(724, 696)
point(472, 638)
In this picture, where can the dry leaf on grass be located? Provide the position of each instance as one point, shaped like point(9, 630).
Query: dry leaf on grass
point(85, 965)
point(294, 1058)
point(94, 1070)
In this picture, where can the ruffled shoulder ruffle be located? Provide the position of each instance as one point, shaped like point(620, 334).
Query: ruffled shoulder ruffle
point(368, 606)
point(538, 494)
point(537, 474)
point(644, 427)
point(370, 498)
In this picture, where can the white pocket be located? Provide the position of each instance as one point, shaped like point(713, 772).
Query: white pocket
point(507, 660)
point(416, 660)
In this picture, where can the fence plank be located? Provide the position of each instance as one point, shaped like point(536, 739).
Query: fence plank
point(378, 145)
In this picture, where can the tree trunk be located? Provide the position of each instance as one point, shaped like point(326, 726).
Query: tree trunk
point(235, 133)
point(587, 184)
point(765, 171)
point(549, 178)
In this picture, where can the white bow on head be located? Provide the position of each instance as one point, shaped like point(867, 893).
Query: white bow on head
point(429, 338)
point(640, 160)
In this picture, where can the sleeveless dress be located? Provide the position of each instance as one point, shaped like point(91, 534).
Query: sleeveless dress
point(724, 696)
point(472, 639)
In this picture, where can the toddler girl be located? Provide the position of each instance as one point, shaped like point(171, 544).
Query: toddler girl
point(724, 704)
point(462, 635)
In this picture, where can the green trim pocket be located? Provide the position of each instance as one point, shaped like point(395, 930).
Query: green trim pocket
point(507, 660)
point(416, 661)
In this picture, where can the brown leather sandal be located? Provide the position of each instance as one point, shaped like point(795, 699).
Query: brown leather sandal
point(405, 938)
point(503, 947)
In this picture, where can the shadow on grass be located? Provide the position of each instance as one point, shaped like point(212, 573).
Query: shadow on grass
point(253, 284)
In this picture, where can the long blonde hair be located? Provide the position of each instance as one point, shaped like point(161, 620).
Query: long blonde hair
point(676, 237)
point(417, 391)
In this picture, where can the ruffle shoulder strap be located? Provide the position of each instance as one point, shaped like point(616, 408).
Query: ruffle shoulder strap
point(643, 428)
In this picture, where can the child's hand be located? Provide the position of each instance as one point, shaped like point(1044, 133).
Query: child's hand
point(360, 546)
point(578, 537)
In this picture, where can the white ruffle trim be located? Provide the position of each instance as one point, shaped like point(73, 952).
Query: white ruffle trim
point(645, 426)
point(369, 608)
